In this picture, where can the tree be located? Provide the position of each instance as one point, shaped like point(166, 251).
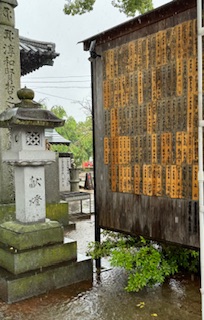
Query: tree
point(86, 104)
point(59, 112)
point(79, 133)
point(128, 7)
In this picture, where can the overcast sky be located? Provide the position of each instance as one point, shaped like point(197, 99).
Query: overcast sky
point(68, 80)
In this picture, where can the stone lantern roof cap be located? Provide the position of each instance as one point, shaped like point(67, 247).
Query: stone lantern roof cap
point(13, 3)
point(29, 113)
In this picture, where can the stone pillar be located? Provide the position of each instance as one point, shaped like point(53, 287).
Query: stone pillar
point(74, 179)
point(9, 85)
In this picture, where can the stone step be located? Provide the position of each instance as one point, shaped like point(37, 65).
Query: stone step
point(15, 288)
point(26, 236)
point(18, 262)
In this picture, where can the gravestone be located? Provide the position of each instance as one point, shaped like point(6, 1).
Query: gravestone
point(64, 173)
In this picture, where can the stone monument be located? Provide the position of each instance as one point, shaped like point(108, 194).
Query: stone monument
point(34, 256)
point(9, 84)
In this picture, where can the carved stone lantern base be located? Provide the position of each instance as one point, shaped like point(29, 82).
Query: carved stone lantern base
point(36, 258)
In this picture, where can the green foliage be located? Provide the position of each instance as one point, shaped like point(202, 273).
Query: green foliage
point(79, 133)
point(185, 258)
point(131, 7)
point(78, 7)
point(147, 263)
point(59, 148)
point(59, 112)
point(128, 7)
point(112, 240)
point(145, 266)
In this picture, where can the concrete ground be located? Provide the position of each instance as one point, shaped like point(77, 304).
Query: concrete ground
point(84, 223)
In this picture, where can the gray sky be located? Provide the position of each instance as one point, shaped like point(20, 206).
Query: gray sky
point(68, 81)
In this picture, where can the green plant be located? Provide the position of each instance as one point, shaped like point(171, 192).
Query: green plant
point(79, 134)
point(185, 259)
point(146, 262)
point(128, 7)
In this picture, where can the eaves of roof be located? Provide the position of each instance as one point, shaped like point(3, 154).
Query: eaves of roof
point(172, 8)
point(54, 137)
point(35, 54)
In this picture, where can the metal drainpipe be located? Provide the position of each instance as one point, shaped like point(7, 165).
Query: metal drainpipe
point(200, 146)
point(97, 228)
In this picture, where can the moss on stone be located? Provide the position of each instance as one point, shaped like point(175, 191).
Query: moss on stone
point(7, 212)
point(59, 212)
point(54, 211)
point(16, 288)
point(18, 262)
point(26, 236)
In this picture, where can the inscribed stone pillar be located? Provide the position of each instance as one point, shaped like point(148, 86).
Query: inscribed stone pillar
point(9, 84)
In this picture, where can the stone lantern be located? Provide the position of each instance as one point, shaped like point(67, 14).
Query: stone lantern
point(27, 122)
point(34, 255)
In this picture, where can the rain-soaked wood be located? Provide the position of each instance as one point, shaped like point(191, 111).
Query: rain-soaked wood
point(145, 124)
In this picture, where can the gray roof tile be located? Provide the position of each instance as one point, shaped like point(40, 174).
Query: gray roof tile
point(35, 54)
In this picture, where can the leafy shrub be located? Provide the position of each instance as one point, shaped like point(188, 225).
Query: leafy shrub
point(146, 262)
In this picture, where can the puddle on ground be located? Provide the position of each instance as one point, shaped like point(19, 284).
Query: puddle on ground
point(177, 299)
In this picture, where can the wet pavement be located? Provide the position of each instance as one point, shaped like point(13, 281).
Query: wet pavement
point(105, 298)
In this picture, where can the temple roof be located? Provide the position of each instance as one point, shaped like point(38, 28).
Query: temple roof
point(35, 54)
point(54, 137)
